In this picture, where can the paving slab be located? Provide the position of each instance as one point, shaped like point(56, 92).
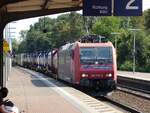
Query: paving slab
point(30, 95)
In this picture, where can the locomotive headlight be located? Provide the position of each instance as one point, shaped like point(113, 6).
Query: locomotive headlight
point(109, 75)
point(84, 75)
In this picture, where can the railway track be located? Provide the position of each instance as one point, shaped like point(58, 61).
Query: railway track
point(134, 89)
point(134, 84)
point(135, 92)
point(107, 99)
point(123, 105)
point(126, 108)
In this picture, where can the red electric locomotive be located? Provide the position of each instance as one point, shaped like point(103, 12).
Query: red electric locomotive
point(87, 63)
point(90, 65)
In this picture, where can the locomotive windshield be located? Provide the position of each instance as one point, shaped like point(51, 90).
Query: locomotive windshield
point(96, 55)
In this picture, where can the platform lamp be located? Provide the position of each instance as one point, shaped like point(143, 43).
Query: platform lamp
point(134, 32)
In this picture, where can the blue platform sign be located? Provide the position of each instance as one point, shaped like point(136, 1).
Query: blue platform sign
point(127, 7)
point(97, 7)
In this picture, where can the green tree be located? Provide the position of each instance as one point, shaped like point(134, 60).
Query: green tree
point(15, 45)
point(106, 25)
point(71, 26)
point(23, 34)
point(147, 19)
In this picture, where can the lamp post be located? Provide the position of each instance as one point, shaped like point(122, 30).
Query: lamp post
point(115, 33)
point(134, 31)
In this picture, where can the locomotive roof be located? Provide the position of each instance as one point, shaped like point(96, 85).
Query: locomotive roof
point(72, 45)
point(94, 44)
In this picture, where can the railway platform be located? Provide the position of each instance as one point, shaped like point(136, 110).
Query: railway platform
point(33, 92)
point(32, 96)
point(136, 75)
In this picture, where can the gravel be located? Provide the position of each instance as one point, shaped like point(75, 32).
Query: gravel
point(138, 103)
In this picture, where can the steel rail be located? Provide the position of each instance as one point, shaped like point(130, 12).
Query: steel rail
point(134, 92)
point(120, 105)
point(134, 89)
point(134, 84)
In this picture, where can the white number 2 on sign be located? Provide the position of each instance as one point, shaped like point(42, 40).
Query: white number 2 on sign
point(129, 5)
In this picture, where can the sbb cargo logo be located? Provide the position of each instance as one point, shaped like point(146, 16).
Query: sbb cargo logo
point(104, 7)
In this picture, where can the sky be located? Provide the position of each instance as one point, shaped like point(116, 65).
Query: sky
point(25, 23)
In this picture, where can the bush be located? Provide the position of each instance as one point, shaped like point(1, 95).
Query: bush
point(143, 69)
point(126, 66)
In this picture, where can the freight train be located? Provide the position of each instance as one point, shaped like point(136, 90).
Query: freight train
point(91, 65)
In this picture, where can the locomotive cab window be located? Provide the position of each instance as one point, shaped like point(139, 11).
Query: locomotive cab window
point(104, 54)
point(98, 54)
